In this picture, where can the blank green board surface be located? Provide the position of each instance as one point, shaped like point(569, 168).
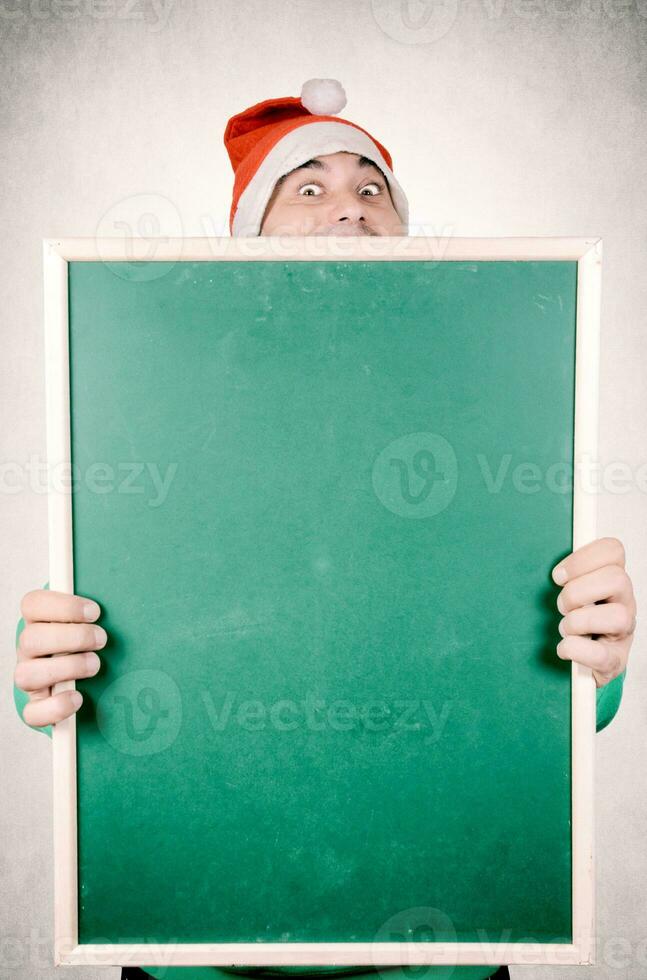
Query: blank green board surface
point(330, 695)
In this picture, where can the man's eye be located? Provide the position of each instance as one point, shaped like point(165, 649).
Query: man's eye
point(305, 187)
point(367, 186)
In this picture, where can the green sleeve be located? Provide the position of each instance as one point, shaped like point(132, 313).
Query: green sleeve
point(21, 697)
point(608, 700)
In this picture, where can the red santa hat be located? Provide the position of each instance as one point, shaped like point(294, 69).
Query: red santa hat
point(271, 138)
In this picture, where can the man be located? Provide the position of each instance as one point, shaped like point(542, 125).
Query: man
point(301, 171)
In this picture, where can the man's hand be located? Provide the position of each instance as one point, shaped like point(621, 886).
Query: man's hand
point(598, 606)
point(56, 623)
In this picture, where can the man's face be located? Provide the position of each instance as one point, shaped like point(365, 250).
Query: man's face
point(335, 194)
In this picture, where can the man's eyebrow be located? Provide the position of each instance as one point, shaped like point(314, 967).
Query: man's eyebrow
point(314, 164)
point(308, 165)
point(365, 162)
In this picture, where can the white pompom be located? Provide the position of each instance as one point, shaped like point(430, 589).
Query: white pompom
point(323, 96)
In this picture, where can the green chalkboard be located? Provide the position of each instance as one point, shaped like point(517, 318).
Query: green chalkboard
point(319, 502)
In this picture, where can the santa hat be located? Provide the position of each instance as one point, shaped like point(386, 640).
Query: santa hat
point(271, 138)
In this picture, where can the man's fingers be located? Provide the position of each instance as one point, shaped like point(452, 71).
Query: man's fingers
point(37, 673)
point(42, 639)
point(610, 583)
point(45, 606)
point(52, 709)
point(596, 554)
point(605, 662)
point(608, 619)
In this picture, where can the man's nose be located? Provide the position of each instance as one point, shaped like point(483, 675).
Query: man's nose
point(348, 208)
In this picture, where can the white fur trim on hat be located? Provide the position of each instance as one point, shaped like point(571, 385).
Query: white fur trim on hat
point(323, 96)
point(296, 147)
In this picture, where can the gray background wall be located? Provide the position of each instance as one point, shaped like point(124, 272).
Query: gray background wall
point(504, 117)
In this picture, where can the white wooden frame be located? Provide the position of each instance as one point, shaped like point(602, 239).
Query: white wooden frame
point(57, 253)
